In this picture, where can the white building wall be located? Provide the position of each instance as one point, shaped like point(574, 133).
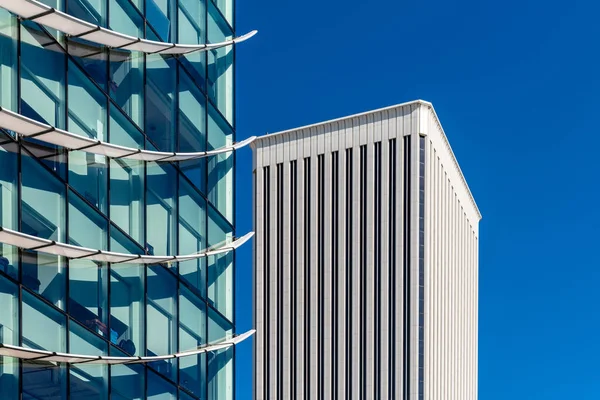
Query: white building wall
point(353, 345)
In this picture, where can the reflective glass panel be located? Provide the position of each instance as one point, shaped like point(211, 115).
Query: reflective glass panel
point(192, 30)
point(87, 228)
point(8, 205)
point(127, 382)
point(8, 61)
point(192, 129)
point(88, 295)
point(87, 382)
point(220, 363)
point(162, 15)
point(220, 267)
point(160, 209)
point(43, 380)
point(220, 167)
point(42, 77)
point(192, 334)
point(126, 179)
point(9, 334)
point(160, 101)
point(192, 234)
point(43, 215)
point(93, 11)
point(161, 321)
point(126, 298)
point(220, 64)
point(159, 388)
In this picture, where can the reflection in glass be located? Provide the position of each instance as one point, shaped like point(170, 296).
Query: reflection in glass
point(93, 11)
point(43, 380)
point(87, 382)
point(8, 61)
point(220, 270)
point(162, 15)
point(87, 228)
point(8, 205)
point(220, 167)
point(160, 208)
point(126, 83)
point(192, 234)
point(9, 334)
point(127, 381)
point(192, 333)
point(126, 298)
point(192, 128)
point(42, 83)
point(160, 101)
point(87, 117)
point(160, 389)
point(161, 320)
point(43, 215)
point(192, 23)
point(220, 64)
point(220, 363)
point(88, 288)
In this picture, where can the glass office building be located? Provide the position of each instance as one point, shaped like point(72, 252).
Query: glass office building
point(149, 101)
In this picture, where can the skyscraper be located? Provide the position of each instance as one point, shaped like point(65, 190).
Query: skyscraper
point(365, 261)
point(117, 132)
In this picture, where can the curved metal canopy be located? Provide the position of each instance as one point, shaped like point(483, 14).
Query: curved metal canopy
point(51, 356)
point(46, 133)
point(41, 13)
point(29, 242)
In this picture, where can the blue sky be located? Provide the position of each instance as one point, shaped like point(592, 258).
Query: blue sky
point(516, 87)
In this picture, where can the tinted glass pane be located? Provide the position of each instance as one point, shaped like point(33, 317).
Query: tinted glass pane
point(220, 269)
point(87, 382)
point(192, 333)
point(220, 363)
point(161, 14)
point(8, 205)
point(160, 101)
point(93, 11)
point(88, 287)
point(192, 23)
point(160, 389)
point(43, 213)
point(46, 381)
point(87, 228)
point(42, 77)
point(220, 64)
point(161, 321)
point(127, 298)
point(160, 209)
point(192, 234)
point(220, 168)
point(8, 61)
point(127, 382)
point(192, 128)
point(9, 334)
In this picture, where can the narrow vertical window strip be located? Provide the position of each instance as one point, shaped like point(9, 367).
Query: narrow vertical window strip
point(348, 237)
point(280, 267)
point(266, 257)
point(307, 287)
point(421, 274)
point(293, 274)
point(363, 268)
point(321, 265)
point(406, 268)
point(392, 266)
point(334, 271)
point(377, 267)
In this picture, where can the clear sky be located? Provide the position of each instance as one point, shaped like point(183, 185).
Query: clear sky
point(516, 86)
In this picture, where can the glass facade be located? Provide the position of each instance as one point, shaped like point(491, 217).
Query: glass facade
point(156, 102)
